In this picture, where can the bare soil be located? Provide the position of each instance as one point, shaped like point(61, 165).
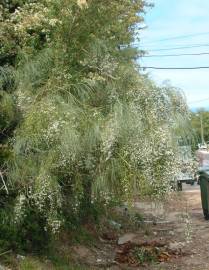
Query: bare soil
point(196, 244)
point(177, 225)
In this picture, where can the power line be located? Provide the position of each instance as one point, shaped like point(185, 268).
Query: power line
point(178, 37)
point(198, 101)
point(137, 45)
point(174, 68)
point(171, 55)
point(177, 48)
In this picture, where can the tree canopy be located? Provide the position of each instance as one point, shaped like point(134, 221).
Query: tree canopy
point(197, 117)
point(87, 127)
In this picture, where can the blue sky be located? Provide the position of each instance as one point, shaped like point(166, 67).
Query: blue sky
point(171, 18)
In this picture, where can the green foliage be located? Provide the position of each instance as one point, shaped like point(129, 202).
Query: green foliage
point(7, 103)
point(30, 237)
point(31, 263)
point(7, 110)
point(145, 255)
point(196, 124)
point(92, 129)
point(58, 145)
point(8, 236)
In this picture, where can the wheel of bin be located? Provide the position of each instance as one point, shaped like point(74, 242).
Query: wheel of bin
point(179, 186)
point(192, 183)
point(206, 214)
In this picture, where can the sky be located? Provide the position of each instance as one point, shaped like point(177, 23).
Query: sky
point(174, 18)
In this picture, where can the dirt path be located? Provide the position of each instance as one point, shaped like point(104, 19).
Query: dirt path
point(199, 246)
point(189, 231)
point(178, 223)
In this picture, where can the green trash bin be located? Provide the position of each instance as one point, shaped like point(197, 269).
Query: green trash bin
point(204, 188)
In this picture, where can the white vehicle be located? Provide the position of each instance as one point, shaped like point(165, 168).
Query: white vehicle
point(203, 158)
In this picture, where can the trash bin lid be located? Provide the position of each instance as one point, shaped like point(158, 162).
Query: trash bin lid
point(204, 171)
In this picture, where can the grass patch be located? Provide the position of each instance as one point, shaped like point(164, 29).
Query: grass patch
point(31, 263)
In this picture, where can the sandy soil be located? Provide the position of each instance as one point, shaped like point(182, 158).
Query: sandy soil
point(179, 223)
point(188, 228)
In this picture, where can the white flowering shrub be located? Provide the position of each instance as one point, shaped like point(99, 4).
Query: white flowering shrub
point(93, 130)
point(140, 137)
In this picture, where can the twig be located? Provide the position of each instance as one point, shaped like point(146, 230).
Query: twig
point(8, 251)
point(2, 178)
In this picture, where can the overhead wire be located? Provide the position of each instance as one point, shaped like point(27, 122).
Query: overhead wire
point(173, 68)
point(177, 55)
point(174, 55)
point(176, 48)
point(178, 37)
point(198, 101)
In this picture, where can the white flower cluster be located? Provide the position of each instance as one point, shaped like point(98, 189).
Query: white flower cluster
point(23, 100)
point(33, 18)
point(82, 3)
point(52, 133)
point(188, 228)
point(109, 138)
point(47, 198)
point(19, 210)
point(102, 67)
point(54, 224)
point(154, 155)
point(149, 149)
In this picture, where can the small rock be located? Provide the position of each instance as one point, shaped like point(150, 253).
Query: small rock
point(20, 257)
point(129, 237)
point(176, 246)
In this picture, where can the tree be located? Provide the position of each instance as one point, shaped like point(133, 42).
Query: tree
point(93, 129)
point(196, 119)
